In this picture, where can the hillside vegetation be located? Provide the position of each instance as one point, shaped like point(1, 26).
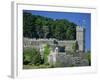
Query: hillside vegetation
point(36, 26)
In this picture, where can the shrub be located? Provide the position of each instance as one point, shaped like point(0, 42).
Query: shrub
point(31, 56)
point(46, 53)
point(37, 59)
point(88, 57)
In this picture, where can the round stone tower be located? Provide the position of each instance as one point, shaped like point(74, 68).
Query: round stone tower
point(80, 37)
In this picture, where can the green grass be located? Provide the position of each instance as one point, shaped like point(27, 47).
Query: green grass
point(37, 67)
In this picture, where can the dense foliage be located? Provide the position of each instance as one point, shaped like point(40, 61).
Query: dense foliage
point(46, 53)
point(35, 26)
point(31, 56)
point(88, 56)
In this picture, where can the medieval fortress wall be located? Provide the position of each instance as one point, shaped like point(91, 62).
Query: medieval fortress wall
point(62, 57)
point(39, 42)
point(80, 39)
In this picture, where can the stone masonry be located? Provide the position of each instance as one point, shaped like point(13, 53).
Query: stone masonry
point(62, 57)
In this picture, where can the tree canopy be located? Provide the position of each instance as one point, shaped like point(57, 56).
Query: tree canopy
point(36, 26)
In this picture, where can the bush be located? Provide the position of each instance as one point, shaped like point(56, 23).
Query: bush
point(37, 59)
point(46, 53)
point(88, 57)
point(31, 56)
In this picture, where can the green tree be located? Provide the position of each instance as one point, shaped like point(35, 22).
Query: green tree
point(46, 53)
point(28, 25)
point(35, 26)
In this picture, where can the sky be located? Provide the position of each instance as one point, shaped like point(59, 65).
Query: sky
point(81, 19)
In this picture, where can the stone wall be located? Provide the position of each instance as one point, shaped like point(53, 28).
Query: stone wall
point(37, 43)
point(62, 59)
point(80, 39)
